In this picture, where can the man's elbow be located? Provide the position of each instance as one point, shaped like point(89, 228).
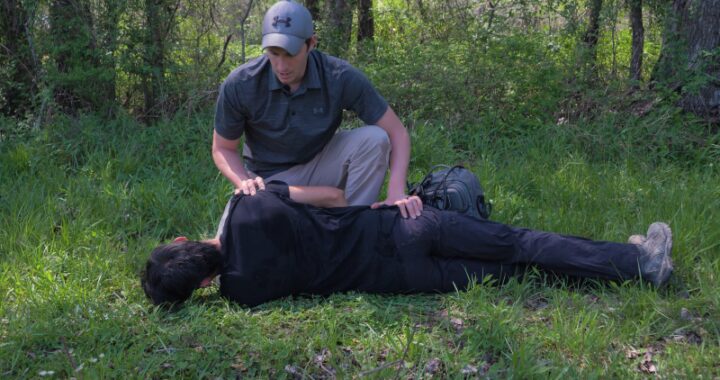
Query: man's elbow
point(336, 198)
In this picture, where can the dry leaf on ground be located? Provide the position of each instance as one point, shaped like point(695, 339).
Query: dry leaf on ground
point(469, 369)
point(647, 365)
point(632, 353)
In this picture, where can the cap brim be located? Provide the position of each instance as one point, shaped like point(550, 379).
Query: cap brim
point(291, 44)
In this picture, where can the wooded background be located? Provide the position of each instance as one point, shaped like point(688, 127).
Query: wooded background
point(458, 58)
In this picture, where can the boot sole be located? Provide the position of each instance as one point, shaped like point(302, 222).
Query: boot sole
point(666, 265)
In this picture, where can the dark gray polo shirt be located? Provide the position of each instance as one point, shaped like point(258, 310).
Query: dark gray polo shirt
point(283, 129)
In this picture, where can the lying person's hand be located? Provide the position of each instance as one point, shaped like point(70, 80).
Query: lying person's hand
point(410, 207)
point(250, 186)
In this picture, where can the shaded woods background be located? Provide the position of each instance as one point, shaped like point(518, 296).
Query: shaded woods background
point(515, 65)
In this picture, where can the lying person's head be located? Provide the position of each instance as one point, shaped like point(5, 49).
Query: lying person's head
point(175, 270)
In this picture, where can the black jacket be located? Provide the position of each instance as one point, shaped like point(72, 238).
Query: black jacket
point(274, 247)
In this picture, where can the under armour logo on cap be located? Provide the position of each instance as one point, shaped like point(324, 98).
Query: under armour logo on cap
point(285, 21)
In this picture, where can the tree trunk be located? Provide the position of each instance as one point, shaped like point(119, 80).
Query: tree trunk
point(592, 34)
point(73, 49)
point(690, 58)
point(366, 24)
point(108, 29)
point(588, 51)
point(340, 26)
point(667, 65)
point(83, 75)
point(159, 21)
point(638, 40)
point(154, 59)
point(491, 14)
point(242, 22)
point(16, 55)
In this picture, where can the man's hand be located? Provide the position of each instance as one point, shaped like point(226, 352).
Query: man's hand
point(410, 207)
point(250, 186)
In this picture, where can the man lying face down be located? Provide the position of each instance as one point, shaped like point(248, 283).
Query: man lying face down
point(288, 240)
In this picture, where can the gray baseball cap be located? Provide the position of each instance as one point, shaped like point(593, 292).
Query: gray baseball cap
point(287, 25)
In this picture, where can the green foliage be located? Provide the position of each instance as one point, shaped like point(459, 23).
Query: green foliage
point(8, 69)
point(508, 84)
point(510, 64)
point(80, 69)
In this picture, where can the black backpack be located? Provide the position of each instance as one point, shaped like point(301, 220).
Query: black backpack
point(452, 188)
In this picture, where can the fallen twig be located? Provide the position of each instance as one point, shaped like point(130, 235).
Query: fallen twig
point(70, 357)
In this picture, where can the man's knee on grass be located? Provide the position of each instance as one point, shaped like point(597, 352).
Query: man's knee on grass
point(175, 270)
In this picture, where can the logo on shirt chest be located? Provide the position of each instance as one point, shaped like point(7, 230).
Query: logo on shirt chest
point(318, 110)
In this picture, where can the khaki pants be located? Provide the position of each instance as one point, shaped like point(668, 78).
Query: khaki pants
point(355, 161)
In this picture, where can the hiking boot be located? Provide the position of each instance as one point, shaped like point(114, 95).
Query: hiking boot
point(636, 239)
point(656, 265)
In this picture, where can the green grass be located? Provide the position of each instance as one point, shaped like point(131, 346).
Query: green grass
point(82, 202)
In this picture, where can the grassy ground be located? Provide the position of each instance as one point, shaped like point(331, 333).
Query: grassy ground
point(83, 202)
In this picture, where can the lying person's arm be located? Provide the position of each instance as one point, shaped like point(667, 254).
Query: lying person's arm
point(319, 196)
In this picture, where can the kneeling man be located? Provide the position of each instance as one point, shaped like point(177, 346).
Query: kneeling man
point(289, 240)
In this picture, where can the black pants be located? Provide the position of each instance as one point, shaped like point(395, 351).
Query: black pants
point(441, 250)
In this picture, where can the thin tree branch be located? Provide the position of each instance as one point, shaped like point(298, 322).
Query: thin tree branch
point(224, 51)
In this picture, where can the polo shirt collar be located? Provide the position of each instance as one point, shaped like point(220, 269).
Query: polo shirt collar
point(273, 83)
point(312, 78)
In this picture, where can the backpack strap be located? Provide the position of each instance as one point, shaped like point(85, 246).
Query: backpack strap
point(485, 209)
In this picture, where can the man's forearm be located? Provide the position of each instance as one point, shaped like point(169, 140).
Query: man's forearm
point(410, 207)
point(230, 165)
point(399, 155)
point(319, 196)
point(228, 161)
point(399, 161)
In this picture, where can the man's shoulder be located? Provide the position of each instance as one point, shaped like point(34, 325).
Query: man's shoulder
point(330, 60)
point(249, 72)
point(333, 67)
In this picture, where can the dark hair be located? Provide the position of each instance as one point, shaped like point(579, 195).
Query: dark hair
point(175, 270)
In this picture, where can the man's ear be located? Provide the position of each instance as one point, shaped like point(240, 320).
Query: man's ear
point(313, 43)
point(207, 281)
point(179, 239)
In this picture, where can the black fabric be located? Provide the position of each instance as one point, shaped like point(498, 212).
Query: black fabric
point(274, 247)
point(444, 250)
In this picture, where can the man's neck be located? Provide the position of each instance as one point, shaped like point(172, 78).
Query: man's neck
point(294, 87)
point(214, 242)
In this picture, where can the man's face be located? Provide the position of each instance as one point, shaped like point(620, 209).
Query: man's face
point(289, 69)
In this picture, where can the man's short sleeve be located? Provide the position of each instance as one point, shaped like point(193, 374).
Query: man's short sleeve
point(229, 118)
point(361, 96)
